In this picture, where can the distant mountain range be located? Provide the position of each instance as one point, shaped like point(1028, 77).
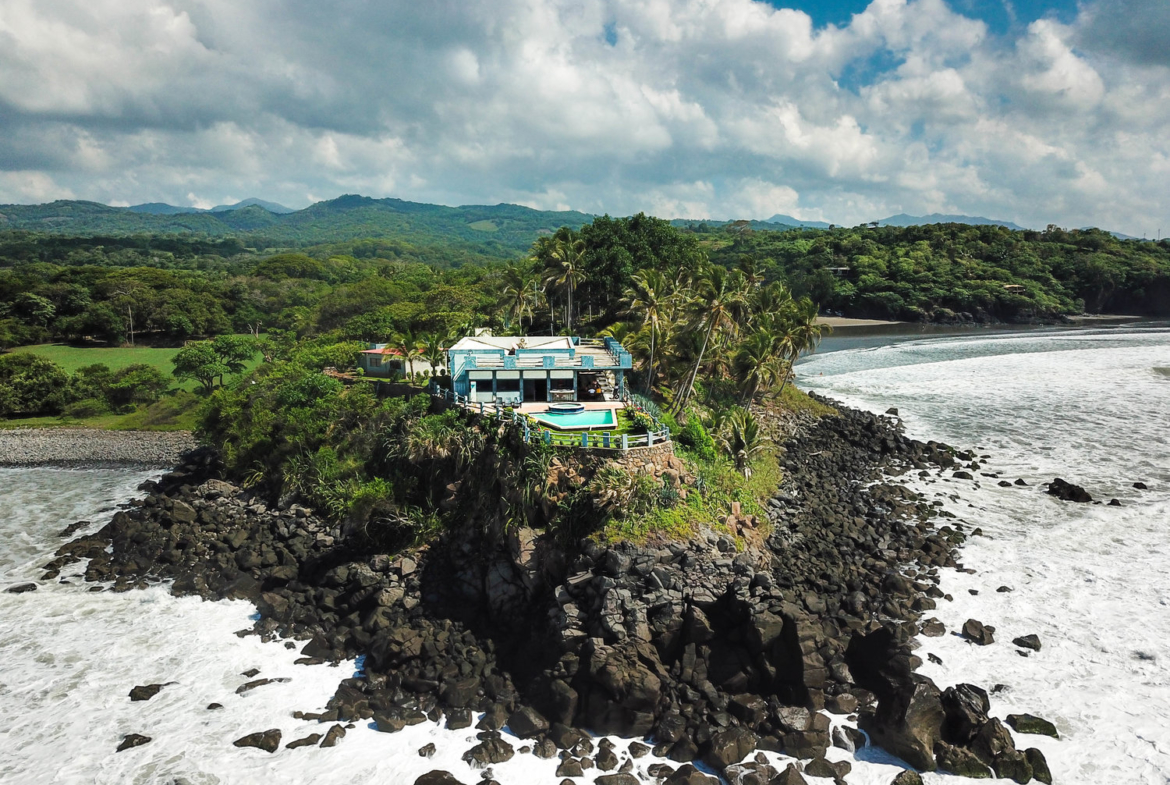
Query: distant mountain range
point(497, 231)
point(902, 219)
point(161, 208)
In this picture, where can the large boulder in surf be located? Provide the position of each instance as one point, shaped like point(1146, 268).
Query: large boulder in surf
point(909, 722)
point(1066, 491)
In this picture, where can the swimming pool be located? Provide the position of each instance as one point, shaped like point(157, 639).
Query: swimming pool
point(594, 418)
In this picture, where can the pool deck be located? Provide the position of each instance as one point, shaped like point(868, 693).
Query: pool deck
point(534, 407)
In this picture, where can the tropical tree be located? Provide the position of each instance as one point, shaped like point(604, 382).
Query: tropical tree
point(408, 346)
point(565, 270)
point(741, 439)
point(199, 361)
point(433, 348)
point(716, 304)
point(757, 362)
point(646, 300)
point(518, 293)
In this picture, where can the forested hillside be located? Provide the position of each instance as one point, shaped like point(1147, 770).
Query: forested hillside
point(502, 230)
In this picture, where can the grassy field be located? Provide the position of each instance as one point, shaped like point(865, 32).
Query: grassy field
point(70, 358)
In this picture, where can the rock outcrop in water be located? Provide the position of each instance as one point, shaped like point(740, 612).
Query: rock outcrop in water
point(710, 648)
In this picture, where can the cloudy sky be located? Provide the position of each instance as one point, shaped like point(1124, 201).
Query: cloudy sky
point(1037, 111)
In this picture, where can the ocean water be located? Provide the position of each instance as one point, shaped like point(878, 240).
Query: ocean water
point(1092, 581)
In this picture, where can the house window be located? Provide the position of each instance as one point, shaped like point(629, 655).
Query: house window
point(507, 385)
point(561, 384)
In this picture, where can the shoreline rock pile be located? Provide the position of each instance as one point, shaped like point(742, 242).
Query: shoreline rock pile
point(709, 649)
point(82, 447)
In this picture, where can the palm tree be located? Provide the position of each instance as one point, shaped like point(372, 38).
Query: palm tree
point(564, 270)
point(648, 297)
point(803, 333)
point(407, 345)
point(741, 438)
point(432, 348)
point(716, 304)
point(757, 363)
point(518, 293)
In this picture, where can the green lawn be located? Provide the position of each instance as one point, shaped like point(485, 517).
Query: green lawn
point(70, 358)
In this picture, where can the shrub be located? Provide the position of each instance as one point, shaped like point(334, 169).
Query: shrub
point(138, 383)
point(694, 436)
point(86, 407)
point(31, 385)
point(643, 420)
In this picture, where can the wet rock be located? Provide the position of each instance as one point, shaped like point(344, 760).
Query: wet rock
point(907, 778)
point(841, 704)
point(437, 777)
point(1030, 723)
point(687, 774)
point(145, 692)
point(570, 767)
point(527, 723)
point(214, 706)
point(730, 746)
point(333, 735)
point(427, 750)
point(1141, 486)
point(978, 632)
point(790, 776)
point(933, 628)
point(489, 751)
point(1114, 503)
point(458, 719)
point(131, 740)
point(1066, 491)
point(638, 749)
point(544, 749)
point(606, 760)
point(1004, 484)
point(617, 779)
point(21, 588)
point(965, 707)
point(961, 761)
point(1013, 766)
point(308, 741)
point(821, 767)
point(1020, 481)
point(755, 773)
point(909, 722)
point(268, 740)
point(992, 741)
point(251, 685)
point(961, 475)
point(1040, 770)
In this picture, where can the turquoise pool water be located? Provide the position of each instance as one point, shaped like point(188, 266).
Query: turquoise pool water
point(597, 418)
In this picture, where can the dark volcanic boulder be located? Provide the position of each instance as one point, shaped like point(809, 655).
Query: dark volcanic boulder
point(909, 722)
point(21, 588)
point(1066, 491)
point(491, 750)
point(1028, 642)
point(992, 741)
point(907, 778)
point(132, 740)
point(617, 779)
point(729, 746)
point(527, 723)
point(622, 692)
point(145, 692)
point(961, 761)
point(308, 741)
point(268, 740)
point(1012, 766)
point(978, 632)
point(1040, 770)
point(437, 777)
point(689, 775)
point(1030, 723)
point(966, 708)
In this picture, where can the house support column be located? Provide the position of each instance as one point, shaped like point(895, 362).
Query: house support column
point(494, 393)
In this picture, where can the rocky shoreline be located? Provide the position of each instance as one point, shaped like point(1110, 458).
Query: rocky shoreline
point(709, 650)
point(80, 447)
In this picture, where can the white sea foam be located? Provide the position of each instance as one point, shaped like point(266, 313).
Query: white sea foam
point(1092, 581)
